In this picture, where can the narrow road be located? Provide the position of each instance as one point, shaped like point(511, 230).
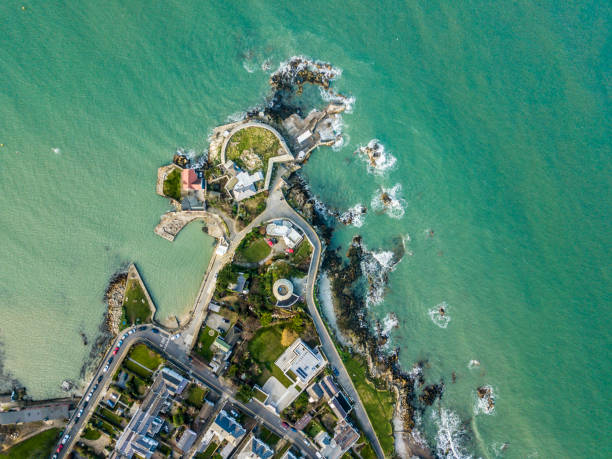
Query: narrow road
point(175, 355)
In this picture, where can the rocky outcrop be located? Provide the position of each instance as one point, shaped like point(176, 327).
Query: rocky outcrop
point(114, 299)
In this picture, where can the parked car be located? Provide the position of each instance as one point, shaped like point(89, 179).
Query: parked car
point(95, 387)
point(143, 328)
point(100, 378)
point(270, 243)
point(120, 343)
point(335, 370)
point(80, 413)
point(131, 331)
point(155, 330)
point(124, 336)
point(65, 439)
point(105, 369)
point(115, 351)
point(285, 425)
point(288, 250)
point(178, 335)
point(293, 429)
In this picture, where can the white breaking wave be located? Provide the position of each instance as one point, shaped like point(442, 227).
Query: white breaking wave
point(473, 364)
point(486, 403)
point(439, 315)
point(389, 322)
point(389, 200)
point(354, 216)
point(56, 150)
point(376, 267)
point(290, 69)
point(330, 96)
point(450, 435)
point(378, 159)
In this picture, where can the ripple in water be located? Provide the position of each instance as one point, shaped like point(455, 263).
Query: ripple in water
point(439, 315)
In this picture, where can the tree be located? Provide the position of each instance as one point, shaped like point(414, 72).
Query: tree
point(245, 393)
point(297, 324)
point(265, 319)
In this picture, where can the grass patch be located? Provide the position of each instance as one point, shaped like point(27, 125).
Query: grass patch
point(252, 207)
point(260, 395)
point(265, 348)
point(282, 378)
point(259, 140)
point(313, 428)
point(205, 339)
point(172, 185)
point(137, 369)
point(196, 395)
point(111, 417)
point(146, 357)
point(254, 252)
point(104, 425)
point(365, 451)
point(378, 404)
point(302, 254)
point(210, 450)
point(136, 308)
point(91, 434)
point(268, 437)
point(39, 446)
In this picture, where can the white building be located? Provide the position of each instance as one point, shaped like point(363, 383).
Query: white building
point(245, 185)
point(286, 230)
point(304, 362)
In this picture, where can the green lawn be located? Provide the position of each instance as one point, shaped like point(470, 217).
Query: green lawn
point(91, 434)
point(104, 425)
point(137, 369)
point(205, 339)
point(366, 451)
point(260, 141)
point(302, 254)
point(268, 437)
point(278, 374)
point(313, 428)
point(136, 308)
point(254, 252)
point(259, 395)
point(111, 417)
point(196, 395)
point(39, 446)
point(209, 451)
point(145, 356)
point(172, 184)
point(379, 404)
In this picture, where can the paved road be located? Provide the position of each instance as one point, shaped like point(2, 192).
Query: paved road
point(176, 351)
point(278, 207)
point(175, 354)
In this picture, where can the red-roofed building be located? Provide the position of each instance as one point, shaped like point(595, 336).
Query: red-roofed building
point(190, 180)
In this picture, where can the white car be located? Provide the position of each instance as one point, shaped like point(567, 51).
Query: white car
point(80, 413)
point(131, 331)
point(105, 369)
point(65, 439)
point(124, 336)
point(178, 335)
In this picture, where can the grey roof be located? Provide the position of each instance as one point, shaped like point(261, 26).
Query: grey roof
point(187, 440)
point(229, 424)
point(261, 449)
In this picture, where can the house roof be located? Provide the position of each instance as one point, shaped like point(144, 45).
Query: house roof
point(229, 424)
point(261, 449)
point(190, 180)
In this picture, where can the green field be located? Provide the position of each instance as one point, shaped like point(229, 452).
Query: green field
point(260, 141)
point(253, 252)
point(205, 339)
point(265, 348)
point(91, 434)
point(39, 446)
point(137, 369)
point(379, 404)
point(259, 395)
point(196, 395)
point(136, 308)
point(146, 357)
point(172, 184)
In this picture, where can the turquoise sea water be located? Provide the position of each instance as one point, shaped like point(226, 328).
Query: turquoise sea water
point(498, 115)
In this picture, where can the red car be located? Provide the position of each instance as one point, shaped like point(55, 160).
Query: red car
point(270, 243)
point(59, 448)
point(288, 250)
point(285, 425)
point(115, 350)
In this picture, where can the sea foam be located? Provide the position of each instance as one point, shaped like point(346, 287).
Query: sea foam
point(451, 435)
point(389, 201)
